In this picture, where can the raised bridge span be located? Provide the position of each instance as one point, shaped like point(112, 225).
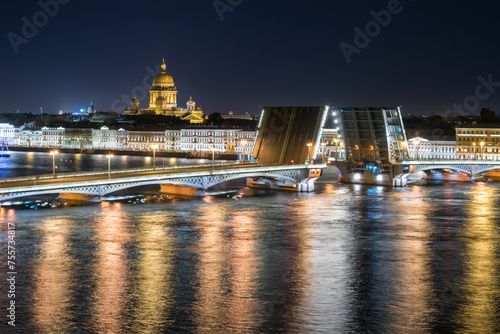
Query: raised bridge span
point(189, 181)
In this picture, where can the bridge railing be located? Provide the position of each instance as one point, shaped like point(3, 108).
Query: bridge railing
point(113, 171)
point(449, 161)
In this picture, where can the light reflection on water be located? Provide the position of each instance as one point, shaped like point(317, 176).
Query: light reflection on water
point(481, 280)
point(347, 258)
point(111, 270)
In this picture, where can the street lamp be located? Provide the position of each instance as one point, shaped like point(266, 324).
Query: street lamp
point(244, 143)
point(213, 158)
point(109, 156)
point(416, 142)
point(154, 147)
point(54, 153)
point(323, 152)
point(474, 150)
point(482, 144)
point(309, 150)
point(336, 148)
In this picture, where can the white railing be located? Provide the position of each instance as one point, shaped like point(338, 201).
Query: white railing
point(113, 171)
point(460, 162)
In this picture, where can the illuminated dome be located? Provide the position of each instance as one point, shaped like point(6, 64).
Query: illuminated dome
point(163, 78)
point(91, 109)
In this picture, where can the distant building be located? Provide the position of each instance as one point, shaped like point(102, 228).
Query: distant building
point(104, 138)
point(423, 149)
point(487, 115)
point(163, 100)
point(478, 141)
point(8, 133)
point(52, 137)
point(231, 115)
point(78, 138)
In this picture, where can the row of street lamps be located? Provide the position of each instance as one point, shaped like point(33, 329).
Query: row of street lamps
point(54, 153)
point(309, 145)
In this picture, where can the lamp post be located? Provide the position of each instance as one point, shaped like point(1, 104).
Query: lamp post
point(417, 142)
point(154, 147)
point(482, 144)
point(244, 143)
point(309, 150)
point(54, 153)
point(405, 148)
point(323, 152)
point(336, 149)
point(109, 156)
point(474, 148)
point(213, 158)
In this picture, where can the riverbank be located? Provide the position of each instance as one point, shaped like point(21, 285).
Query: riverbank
point(184, 155)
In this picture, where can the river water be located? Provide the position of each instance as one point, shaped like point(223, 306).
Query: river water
point(343, 259)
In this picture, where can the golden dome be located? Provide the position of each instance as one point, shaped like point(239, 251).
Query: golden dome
point(163, 77)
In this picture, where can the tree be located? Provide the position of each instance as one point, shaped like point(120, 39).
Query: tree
point(215, 119)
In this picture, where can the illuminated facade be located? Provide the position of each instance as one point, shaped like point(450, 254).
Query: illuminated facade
point(8, 133)
point(106, 138)
point(163, 100)
point(422, 149)
point(478, 142)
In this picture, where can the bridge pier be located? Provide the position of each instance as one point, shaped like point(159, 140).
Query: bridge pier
point(181, 190)
point(348, 174)
point(306, 185)
point(79, 198)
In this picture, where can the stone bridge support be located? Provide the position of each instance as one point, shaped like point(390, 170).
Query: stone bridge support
point(306, 183)
point(76, 198)
point(182, 190)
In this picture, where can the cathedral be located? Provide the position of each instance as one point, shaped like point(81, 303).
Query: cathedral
point(163, 100)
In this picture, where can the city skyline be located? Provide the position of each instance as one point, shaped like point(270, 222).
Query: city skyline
point(239, 55)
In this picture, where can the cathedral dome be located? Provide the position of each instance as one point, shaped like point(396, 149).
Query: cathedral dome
point(163, 77)
point(91, 109)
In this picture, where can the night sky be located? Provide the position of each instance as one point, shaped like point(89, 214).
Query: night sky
point(264, 52)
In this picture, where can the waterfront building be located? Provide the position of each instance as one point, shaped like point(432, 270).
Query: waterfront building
point(104, 138)
point(163, 100)
point(478, 141)
point(198, 140)
point(142, 140)
point(8, 134)
point(52, 137)
point(173, 140)
point(244, 142)
point(420, 148)
point(29, 138)
point(79, 138)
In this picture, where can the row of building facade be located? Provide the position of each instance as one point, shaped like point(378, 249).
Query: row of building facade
point(197, 140)
point(473, 142)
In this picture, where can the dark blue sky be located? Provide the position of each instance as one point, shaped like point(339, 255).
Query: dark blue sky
point(264, 52)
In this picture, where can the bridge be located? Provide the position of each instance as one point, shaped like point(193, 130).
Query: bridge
point(190, 181)
point(468, 167)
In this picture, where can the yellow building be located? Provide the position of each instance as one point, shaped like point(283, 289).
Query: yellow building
point(478, 142)
point(163, 100)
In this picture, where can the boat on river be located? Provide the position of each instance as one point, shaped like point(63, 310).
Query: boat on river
point(4, 151)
